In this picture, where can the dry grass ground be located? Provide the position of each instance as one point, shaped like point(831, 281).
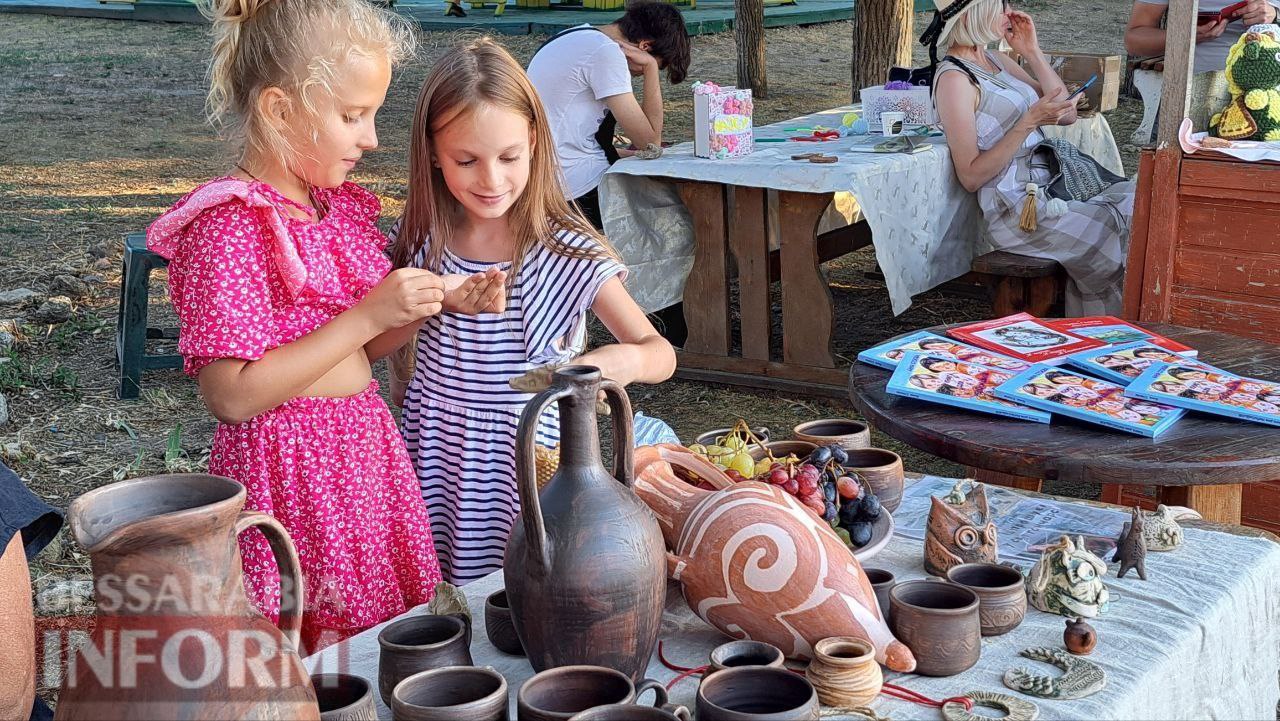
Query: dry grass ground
point(101, 129)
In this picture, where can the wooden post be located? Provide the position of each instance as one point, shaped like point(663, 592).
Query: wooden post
point(748, 34)
point(881, 40)
point(1179, 65)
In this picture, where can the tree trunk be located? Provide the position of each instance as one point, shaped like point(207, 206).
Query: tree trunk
point(748, 34)
point(881, 40)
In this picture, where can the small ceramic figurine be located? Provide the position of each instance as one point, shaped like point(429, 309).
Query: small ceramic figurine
point(959, 530)
point(1080, 678)
point(1162, 531)
point(1067, 580)
point(1079, 637)
point(1131, 547)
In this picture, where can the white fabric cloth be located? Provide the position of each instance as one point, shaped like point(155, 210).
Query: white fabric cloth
point(1212, 55)
point(1092, 135)
point(573, 74)
point(927, 229)
point(1199, 639)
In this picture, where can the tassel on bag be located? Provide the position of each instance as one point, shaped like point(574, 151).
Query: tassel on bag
point(1028, 221)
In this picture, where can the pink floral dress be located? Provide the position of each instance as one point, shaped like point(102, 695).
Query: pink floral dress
point(246, 277)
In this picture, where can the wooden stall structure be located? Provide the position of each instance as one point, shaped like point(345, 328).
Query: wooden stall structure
point(1204, 252)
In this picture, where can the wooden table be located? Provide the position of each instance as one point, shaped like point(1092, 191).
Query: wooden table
point(1202, 462)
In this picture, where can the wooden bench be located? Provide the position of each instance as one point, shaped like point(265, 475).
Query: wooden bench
point(1020, 283)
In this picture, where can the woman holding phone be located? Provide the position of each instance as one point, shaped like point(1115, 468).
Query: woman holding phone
point(991, 111)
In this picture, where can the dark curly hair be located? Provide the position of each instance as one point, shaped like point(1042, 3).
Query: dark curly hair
point(663, 26)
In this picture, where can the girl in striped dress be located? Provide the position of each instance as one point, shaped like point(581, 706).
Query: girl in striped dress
point(485, 198)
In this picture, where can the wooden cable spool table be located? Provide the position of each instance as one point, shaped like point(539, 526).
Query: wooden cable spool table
point(1203, 462)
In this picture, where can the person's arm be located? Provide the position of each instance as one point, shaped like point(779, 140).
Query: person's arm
point(466, 294)
point(1259, 12)
point(1024, 40)
point(642, 119)
point(640, 355)
point(957, 101)
point(236, 390)
point(17, 627)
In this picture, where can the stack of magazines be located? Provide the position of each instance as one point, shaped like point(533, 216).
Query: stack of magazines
point(1101, 370)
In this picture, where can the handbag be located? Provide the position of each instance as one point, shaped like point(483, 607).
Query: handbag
point(1073, 175)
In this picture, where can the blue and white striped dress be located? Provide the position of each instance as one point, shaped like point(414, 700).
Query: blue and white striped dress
point(460, 416)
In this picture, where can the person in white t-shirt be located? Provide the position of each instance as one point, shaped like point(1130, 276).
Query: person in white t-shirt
point(1145, 37)
point(584, 78)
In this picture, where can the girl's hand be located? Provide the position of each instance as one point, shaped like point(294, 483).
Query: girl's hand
point(1021, 34)
point(480, 293)
point(406, 295)
point(1047, 110)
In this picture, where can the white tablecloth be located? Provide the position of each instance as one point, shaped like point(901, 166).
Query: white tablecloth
point(1200, 639)
point(926, 227)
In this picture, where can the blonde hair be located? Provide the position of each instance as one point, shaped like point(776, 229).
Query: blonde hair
point(975, 26)
point(295, 45)
point(473, 75)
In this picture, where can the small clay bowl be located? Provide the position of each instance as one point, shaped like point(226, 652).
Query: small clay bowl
point(745, 653)
point(455, 693)
point(938, 621)
point(709, 438)
point(843, 432)
point(754, 693)
point(1002, 594)
point(343, 697)
point(782, 449)
point(882, 582)
point(882, 470)
point(498, 624)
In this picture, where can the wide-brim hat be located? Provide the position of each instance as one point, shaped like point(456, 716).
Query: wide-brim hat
point(946, 14)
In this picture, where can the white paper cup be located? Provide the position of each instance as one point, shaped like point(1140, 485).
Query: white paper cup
point(891, 124)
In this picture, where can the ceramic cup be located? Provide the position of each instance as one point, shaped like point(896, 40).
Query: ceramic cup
point(558, 694)
point(744, 653)
point(1002, 594)
point(938, 621)
point(881, 582)
point(755, 693)
point(498, 626)
point(843, 432)
point(781, 449)
point(343, 697)
point(421, 643)
point(892, 123)
point(709, 438)
point(632, 712)
point(882, 470)
point(456, 693)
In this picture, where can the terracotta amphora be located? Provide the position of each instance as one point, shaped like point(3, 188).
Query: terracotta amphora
point(585, 563)
point(755, 563)
point(176, 638)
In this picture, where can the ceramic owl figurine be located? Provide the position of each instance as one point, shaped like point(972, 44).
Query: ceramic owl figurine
point(1161, 530)
point(959, 530)
point(1067, 580)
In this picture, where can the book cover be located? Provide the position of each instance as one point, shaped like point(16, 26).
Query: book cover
point(1115, 331)
point(887, 355)
point(945, 380)
point(1025, 337)
point(1122, 363)
point(1088, 399)
point(1209, 390)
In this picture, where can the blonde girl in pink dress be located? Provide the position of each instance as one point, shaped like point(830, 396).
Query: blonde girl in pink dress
point(285, 299)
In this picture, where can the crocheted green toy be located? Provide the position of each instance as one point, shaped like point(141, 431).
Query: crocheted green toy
point(1253, 75)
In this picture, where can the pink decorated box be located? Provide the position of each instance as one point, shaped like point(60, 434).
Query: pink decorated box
point(721, 121)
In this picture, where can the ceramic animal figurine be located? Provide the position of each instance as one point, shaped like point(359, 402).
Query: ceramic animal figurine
point(1014, 708)
point(1161, 530)
point(1131, 547)
point(1079, 637)
point(959, 530)
point(756, 564)
point(1080, 678)
point(1067, 580)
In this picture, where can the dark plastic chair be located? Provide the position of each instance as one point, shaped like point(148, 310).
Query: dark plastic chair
point(132, 332)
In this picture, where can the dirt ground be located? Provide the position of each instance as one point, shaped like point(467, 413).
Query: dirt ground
point(101, 129)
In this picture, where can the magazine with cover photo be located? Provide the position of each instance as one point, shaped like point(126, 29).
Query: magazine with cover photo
point(887, 355)
point(1209, 390)
point(952, 382)
point(1025, 337)
point(1115, 331)
point(1122, 363)
point(1093, 400)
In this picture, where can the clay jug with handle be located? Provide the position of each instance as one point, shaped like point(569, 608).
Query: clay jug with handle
point(176, 637)
point(585, 563)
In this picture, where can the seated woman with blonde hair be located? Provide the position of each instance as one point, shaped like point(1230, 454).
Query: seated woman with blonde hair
point(991, 111)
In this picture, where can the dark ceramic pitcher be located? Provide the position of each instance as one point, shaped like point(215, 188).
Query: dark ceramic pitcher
point(585, 565)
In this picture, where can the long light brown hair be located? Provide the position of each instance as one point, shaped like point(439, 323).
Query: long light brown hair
point(473, 75)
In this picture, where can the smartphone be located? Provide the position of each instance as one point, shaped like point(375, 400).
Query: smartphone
point(1229, 13)
point(1093, 78)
